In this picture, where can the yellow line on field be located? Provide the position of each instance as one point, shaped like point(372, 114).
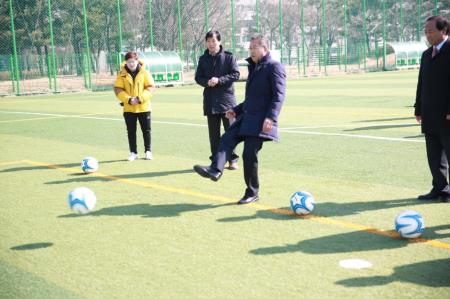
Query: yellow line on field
point(256, 206)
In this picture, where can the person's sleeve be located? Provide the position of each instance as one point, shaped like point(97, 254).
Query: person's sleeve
point(122, 96)
point(418, 103)
point(238, 109)
point(148, 83)
point(233, 75)
point(278, 84)
point(200, 76)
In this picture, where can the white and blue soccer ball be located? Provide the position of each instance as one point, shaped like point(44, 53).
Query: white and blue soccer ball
point(409, 224)
point(89, 165)
point(81, 200)
point(302, 203)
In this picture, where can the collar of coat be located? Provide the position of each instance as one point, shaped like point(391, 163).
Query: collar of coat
point(123, 70)
point(217, 54)
point(263, 60)
point(445, 45)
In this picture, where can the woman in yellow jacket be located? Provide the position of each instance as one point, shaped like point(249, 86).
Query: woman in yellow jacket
point(134, 87)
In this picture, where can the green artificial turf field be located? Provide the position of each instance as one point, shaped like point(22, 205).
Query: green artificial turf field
point(161, 231)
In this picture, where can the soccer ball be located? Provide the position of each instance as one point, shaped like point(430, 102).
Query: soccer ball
point(302, 203)
point(81, 200)
point(409, 224)
point(89, 165)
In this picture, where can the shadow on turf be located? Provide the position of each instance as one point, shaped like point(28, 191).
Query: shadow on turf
point(81, 177)
point(385, 119)
point(329, 209)
point(148, 211)
point(382, 127)
point(68, 165)
point(430, 273)
point(355, 241)
point(32, 246)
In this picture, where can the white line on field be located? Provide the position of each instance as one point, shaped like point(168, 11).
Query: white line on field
point(353, 136)
point(284, 130)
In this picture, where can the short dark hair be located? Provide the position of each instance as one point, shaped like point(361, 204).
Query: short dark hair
point(211, 34)
point(131, 54)
point(441, 23)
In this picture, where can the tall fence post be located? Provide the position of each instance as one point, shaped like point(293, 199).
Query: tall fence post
point(88, 84)
point(150, 24)
point(16, 74)
point(345, 37)
point(119, 21)
point(280, 16)
point(52, 43)
point(419, 19)
point(258, 29)
point(233, 29)
point(364, 49)
point(180, 34)
point(402, 22)
point(324, 35)
point(384, 34)
point(206, 16)
point(302, 26)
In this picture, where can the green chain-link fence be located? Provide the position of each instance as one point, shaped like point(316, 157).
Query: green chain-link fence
point(61, 45)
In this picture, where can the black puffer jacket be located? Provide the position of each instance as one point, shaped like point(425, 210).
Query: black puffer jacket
point(220, 98)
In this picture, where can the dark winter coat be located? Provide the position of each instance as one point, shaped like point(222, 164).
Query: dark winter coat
point(264, 95)
point(220, 98)
point(433, 91)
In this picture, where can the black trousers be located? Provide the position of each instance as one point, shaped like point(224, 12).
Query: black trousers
point(214, 121)
point(438, 154)
point(252, 145)
point(146, 128)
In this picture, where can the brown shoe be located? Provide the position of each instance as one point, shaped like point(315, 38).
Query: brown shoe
point(233, 166)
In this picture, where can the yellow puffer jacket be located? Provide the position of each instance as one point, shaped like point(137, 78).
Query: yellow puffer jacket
point(137, 88)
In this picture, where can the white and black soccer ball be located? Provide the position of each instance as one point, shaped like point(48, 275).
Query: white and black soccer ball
point(81, 200)
point(302, 203)
point(409, 224)
point(89, 165)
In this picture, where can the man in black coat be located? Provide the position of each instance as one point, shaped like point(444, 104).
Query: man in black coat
point(256, 118)
point(432, 107)
point(216, 71)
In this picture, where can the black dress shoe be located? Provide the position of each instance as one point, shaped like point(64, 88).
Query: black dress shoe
point(429, 196)
point(208, 172)
point(248, 199)
point(445, 198)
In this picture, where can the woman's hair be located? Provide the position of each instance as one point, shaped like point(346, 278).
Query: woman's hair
point(131, 55)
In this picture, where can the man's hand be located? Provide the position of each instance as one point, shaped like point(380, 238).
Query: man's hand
point(213, 81)
point(267, 125)
point(419, 118)
point(230, 114)
point(448, 117)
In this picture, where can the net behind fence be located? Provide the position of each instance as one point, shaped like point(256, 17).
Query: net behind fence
point(59, 45)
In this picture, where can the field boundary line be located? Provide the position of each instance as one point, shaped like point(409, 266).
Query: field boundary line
point(256, 206)
point(353, 136)
point(284, 130)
